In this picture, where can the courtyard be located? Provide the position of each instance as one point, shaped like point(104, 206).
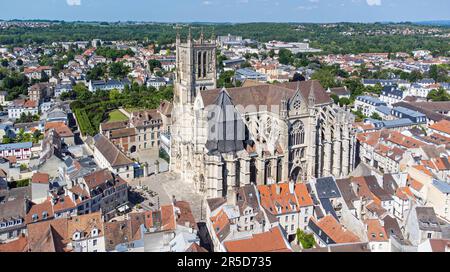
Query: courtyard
point(164, 187)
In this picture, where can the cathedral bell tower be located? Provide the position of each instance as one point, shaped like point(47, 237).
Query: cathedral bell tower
point(196, 67)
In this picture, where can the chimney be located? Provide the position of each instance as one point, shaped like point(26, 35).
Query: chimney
point(278, 188)
point(291, 187)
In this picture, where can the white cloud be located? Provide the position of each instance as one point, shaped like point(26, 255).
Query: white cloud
point(374, 2)
point(207, 3)
point(73, 2)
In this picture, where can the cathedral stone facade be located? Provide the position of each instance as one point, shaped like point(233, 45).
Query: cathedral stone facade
point(222, 139)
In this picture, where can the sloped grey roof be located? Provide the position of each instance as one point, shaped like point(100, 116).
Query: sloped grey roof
point(227, 130)
point(112, 154)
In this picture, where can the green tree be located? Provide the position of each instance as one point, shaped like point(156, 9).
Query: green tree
point(226, 79)
point(438, 73)
point(7, 140)
point(152, 64)
point(359, 116)
point(306, 240)
point(246, 65)
point(415, 76)
point(335, 98)
point(118, 70)
point(114, 94)
point(285, 56)
point(82, 92)
point(344, 101)
point(271, 53)
point(326, 77)
point(376, 116)
point(112, 53)
point(298, 77)
point(37, 136)
point(97, 73)
point(438, 95)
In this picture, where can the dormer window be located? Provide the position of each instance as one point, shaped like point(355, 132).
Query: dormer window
point(34, 217)
point(94, 232)
point(44, 215)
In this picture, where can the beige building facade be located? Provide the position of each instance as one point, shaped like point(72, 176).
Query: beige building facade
point(222, 139)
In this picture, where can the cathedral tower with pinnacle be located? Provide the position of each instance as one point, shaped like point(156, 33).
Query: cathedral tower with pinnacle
point(196, 67)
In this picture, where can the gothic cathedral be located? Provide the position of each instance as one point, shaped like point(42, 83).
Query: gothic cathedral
point(260, 133)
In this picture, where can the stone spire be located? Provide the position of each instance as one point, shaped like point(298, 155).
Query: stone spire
point(189, 39)
point(213, 36)
point(311, 96)
point(178, 39)
point(202, 36)
point(284, 106)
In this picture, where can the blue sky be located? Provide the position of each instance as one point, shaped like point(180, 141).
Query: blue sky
point(227, 10)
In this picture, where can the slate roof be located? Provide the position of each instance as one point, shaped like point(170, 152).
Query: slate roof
point(247, 196)
point(427, 219)
point(227, 126)
point(112, 154)
point(392, 227)
point(269, 94)
point(339, 91)
point(215, 203)
point(442, 186)
point(327, 188)
point(13, 146)
point(347, 192)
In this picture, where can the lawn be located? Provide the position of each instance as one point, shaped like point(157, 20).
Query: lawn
point(116, 116)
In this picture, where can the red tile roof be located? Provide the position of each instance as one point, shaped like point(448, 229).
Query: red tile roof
point(39, 210)
point(60, 127)
point(270, 241)
point(375, 231)
point(19, 245)
point(303, 196)
point(336, 231)
point(277, 196)
point(167, 218)
point(442, 126)
point(220, 221)
point(42, 178)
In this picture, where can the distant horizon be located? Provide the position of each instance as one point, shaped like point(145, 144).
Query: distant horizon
point(225, 22)
point(228, 11)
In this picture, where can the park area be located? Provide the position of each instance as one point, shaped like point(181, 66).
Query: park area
point(117, 116)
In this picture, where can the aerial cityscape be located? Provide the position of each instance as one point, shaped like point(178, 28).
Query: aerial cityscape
point(164, 132)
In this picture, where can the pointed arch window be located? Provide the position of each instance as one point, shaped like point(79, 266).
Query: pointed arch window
point(297, 135)
point(199, 64)
point(204, 64)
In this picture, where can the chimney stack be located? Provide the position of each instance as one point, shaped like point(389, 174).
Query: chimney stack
point(291, 187)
